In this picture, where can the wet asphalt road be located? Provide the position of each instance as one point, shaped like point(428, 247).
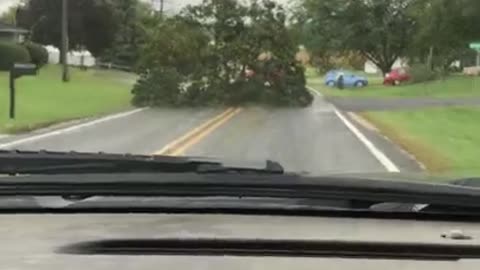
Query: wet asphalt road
point(309, 139)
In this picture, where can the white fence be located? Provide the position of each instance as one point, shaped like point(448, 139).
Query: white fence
point(74, 58)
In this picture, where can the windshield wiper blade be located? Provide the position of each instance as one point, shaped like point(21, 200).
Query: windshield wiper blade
point(44, 162)
point(287, 186)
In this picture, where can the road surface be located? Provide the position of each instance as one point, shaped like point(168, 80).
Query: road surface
point(313, 139)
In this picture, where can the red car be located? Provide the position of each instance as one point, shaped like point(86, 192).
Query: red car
point(396, 77)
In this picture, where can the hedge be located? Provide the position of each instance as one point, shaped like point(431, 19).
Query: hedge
point(11, 53)
point(422, 73)
point(38, 54)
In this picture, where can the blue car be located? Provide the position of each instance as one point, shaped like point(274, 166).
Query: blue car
point(349, 79)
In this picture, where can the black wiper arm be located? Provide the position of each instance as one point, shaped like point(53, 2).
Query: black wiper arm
point(43, 162)
point(271, 167)
point(287, 186)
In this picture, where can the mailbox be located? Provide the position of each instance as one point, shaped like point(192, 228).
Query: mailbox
point(17, 71)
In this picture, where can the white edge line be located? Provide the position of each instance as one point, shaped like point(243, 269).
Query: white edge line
point(379, 155)
point(69, 129)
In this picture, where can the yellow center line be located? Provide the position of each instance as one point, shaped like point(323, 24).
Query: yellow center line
point(180, 145)
point(181, 150)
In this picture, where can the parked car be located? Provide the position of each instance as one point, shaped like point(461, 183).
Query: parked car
point(396, 76)
point(349, 79)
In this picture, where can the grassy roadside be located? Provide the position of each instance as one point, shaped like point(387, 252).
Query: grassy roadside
point(445, 140)
point(44, 99)
point(454, 86)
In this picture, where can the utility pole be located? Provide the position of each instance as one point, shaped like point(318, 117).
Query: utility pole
point(64, 51)
point(430, 58)
point(158, 6)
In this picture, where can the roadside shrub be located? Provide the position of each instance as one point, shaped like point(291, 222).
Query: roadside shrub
point(422, 73)
point(38, 54)
point(11, 53)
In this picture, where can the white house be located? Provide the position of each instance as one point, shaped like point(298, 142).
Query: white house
point(12, 33)
point(371, 68)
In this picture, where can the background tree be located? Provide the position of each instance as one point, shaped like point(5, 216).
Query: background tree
point(378, 29)
point(92, 23)
point(443, 31)
point(133, 17)
point(470, 9)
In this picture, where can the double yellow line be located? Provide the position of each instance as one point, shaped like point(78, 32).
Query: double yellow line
point(192, 137)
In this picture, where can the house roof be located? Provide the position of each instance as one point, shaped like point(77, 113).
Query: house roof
point(8, 28)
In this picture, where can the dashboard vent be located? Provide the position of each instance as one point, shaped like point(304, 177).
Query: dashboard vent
point(280, 248)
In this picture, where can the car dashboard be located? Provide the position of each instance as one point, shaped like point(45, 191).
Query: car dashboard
point(41, 241)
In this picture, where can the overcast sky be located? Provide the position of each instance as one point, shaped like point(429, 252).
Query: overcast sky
point(5, 4)
point(172, 5)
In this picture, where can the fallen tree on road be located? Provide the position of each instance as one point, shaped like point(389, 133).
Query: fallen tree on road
point(222, 53)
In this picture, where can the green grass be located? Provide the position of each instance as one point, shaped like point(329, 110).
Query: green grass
point(453, 86)
point(44, 99)
point(446, 140)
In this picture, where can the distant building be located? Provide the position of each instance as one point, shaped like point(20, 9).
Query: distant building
point(12, 33)
point(371, 68)
point(74, 58)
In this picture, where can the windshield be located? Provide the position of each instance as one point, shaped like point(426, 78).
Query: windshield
point(320, 87)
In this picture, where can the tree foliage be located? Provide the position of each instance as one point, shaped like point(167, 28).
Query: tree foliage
point(379, 29)
point(38, 54)
point(325, 60)
point(92, 23)
point(11, 53)
point(429, 32)
point(133, 17)
point(222, 52)
point(443, 31)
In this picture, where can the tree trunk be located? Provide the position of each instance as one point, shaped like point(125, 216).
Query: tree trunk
point(430, 58)
point(385, 69)
point(384, 66)
point(61, 56)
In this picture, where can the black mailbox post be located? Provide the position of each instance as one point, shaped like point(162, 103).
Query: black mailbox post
point(17, 71)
